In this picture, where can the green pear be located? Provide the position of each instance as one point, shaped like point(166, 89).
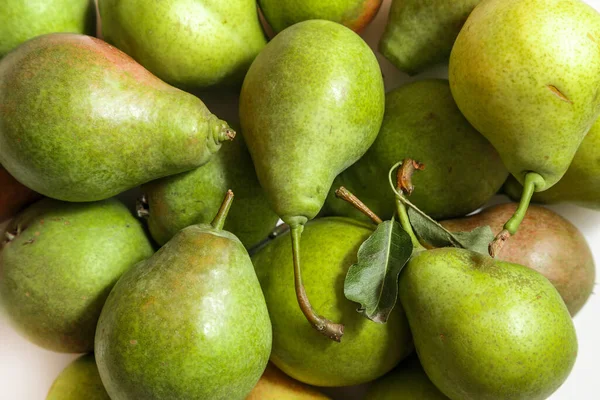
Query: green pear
point(275, 385)
point(368, 349)
point(547, 243)
point(420, 33)
point(355, 14)
point(80, 380)
point(407, 382)
point(311, 105)
point(516, 77)
point(58, 264)
point(193, 197)
point(82, 121)
point(462, 169)
point(581, 182)
point(190, 44)
point(21, 20)
point(188, 323)
point(486, 329)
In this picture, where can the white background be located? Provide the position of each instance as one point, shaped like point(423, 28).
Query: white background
point(26, 371)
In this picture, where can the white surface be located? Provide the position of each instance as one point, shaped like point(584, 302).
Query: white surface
point(26, 371)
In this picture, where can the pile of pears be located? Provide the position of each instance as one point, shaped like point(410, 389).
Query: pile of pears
point(170, 178)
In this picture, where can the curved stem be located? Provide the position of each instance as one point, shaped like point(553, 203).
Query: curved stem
point(533, 182)
point(221, 216)
point(405, 222)
point(321, 324)
point(346, 195)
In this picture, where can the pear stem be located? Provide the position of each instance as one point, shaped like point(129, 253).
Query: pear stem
point(405, 222)
point(221, 216)
point(346, 195)
point(332, 330)
point(533, 183)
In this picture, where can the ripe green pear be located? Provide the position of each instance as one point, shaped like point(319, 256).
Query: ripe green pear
point(188, 323)
point(580, 184)
point(82, 121)
point(546, 243)
point(80, 380)
point(462, 169)
point(368, 349)
point(407, 382)
point(58, 264)
point(275, 385)
point(311, 105)
point(421, 33)
point(526, 74)
point(193, 197)
point(190, 44)
point(355, 14)
point(486, 329)
point(21, 20)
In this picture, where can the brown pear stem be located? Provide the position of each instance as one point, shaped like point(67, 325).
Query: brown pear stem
point(346, 195)
point(221, 216)
point(332, 330)
point(405, 173)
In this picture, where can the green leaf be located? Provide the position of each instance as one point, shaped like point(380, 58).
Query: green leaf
point(436, 235)
point(373, 280)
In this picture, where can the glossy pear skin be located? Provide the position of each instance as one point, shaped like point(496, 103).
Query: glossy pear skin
point(580, 185)
point(545, 242)
point(80, 380)
point(21, 20)
point(526, 74)
point(420, 33)
point(311, 105)
point(59, 269)
point(13, 196)
point(355, 14)
point(486, 329)
point(193, 197)
point(189, 322)
point(407, 382)
point(190, 44)
point(275, 385)
point(368, 350)
point(82, 121)
point(421, 121)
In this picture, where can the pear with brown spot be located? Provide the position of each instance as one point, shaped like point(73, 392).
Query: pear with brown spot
point(526, 74)
point(190, 322)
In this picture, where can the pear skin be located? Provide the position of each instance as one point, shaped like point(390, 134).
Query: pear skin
point(58, 264)
point(80, 380)
point(516, 77)
point(407, 382)
point(190, 322)
point(420, 33)
point(275, 385)
point(82, 121)
point(13, 196)
point(368, 350)
point(193, 197)
point(23, 20)
point(486, 329)
point(191, 44)
point(462, 169)
point(580, 184)
point(546, 243)
point(355, 14)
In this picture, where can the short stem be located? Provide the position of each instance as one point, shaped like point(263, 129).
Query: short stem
point(405, 222)
point(405, 173)
point(221, 216)
point(533, 182)
point(321, 324)
point(345, 194)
